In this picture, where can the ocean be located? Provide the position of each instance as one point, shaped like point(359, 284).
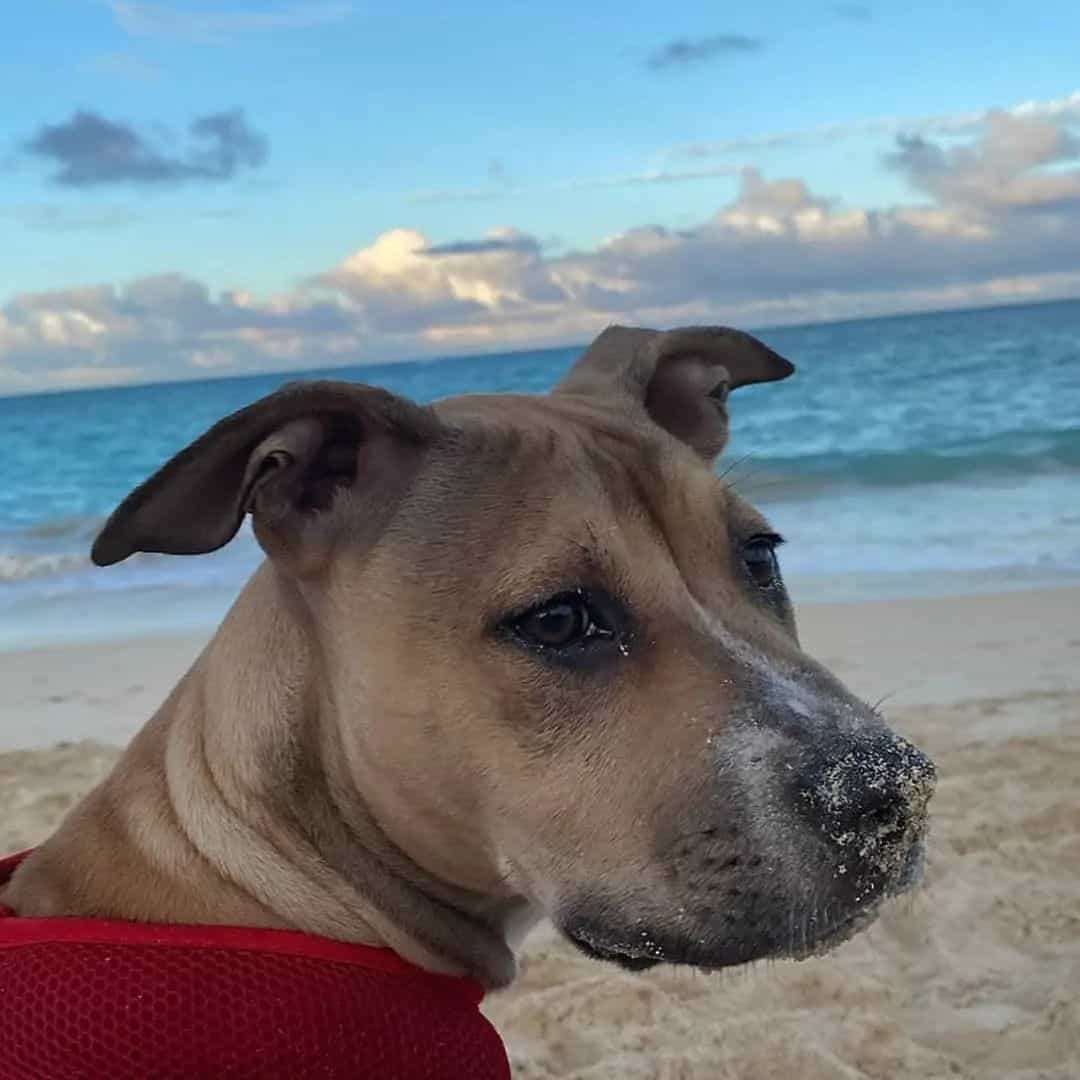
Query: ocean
point(915, 454)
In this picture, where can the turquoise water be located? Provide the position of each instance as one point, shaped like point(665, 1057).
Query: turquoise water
point(908, 454)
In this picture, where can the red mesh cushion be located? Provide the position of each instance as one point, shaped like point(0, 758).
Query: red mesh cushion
point(98, 998)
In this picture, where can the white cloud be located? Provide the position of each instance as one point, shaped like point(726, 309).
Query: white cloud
point(942, 124)
point(402, 284)
point(162, 326)
point(999, 219)
point(91, 375)
point(1006, 167)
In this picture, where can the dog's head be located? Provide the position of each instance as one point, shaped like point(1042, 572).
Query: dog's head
point(559, 651)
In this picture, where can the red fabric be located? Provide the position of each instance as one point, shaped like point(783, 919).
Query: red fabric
point(100, 998)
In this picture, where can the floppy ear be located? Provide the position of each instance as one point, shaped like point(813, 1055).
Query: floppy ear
point(284, 458)
point(682, 377)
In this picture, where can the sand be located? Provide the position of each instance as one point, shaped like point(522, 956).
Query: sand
point(977, 976)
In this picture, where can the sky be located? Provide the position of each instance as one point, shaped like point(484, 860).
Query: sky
point(191, 189)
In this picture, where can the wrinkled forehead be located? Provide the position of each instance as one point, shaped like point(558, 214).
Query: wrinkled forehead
point(528, 496)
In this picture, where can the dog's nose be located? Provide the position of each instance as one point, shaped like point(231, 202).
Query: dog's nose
point(875, 790)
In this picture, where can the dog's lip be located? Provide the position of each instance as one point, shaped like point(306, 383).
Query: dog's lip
point(634, 955)
point(641, 949)
point(640, 955)
point(646, 953)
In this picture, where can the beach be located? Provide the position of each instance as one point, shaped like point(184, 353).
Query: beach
point(584, 337)
point(977, 975)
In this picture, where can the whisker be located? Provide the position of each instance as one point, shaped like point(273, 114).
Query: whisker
point(733, 466)
point(881, 700)
point(754, 471)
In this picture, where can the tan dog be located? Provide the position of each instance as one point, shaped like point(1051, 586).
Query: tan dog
point(509, 657)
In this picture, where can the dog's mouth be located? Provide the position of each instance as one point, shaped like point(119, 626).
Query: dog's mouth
point(794, 931)
point(645, 949)
point(810, 935)
point(629, 954)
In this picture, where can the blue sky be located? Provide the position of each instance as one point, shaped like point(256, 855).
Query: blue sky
point(533, 172)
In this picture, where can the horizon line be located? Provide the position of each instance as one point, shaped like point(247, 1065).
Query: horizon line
point(446, 358)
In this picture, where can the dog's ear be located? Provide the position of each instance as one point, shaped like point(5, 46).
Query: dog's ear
point(284, 459)
point(682, 377)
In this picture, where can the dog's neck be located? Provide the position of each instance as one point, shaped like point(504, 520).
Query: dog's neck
point(233, 805)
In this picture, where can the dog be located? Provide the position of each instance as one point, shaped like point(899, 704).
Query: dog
point(508, 657)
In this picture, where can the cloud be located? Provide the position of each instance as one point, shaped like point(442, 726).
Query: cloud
point(853, 12)
point(401, 284)
point(211, 27)
point(165, 325)
point(89, 150)
point(995, 216)
point(943, 124)
point(1007, 167)
point(1066, 108)
point(508, 242)
point(688, 52)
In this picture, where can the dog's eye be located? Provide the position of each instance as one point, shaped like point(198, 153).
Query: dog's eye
point(759, 557)
point(564, 621)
